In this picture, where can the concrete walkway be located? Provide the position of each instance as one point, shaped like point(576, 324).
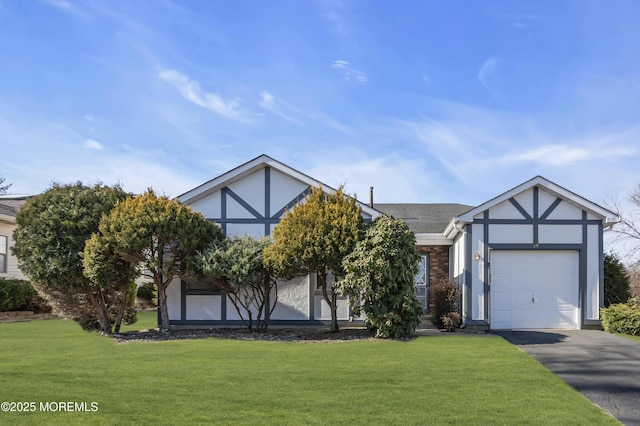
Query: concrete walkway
point(602, 366)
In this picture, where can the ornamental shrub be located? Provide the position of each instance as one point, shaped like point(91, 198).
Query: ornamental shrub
point(148, 291)
point(443, 294)
point(622, 317)
point(451, 321)
point(380, 279)
point(19, 295)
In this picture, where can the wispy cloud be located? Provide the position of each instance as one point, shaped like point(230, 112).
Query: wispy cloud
point(92, 144)
point(486, 72)
point(191, 91)
point(286, 110)
point(562, 155)
point(279, 107)
point(349, 73)
point(68, 7)
point(332, 12)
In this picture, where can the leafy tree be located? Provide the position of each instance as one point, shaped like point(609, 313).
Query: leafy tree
point(380, 279)
point(314, 238)
point(50, 237)
point(616, 281)
point(236, 266)
point(4, 188)
point(161, 235)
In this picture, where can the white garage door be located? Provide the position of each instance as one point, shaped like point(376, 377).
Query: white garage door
point(534, 289)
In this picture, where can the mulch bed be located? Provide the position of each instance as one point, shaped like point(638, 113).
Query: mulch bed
point(301, 334)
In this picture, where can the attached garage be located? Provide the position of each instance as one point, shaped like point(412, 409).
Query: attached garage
point(534, 289)
point(531, 258)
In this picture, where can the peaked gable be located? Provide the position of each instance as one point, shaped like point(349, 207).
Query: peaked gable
point(252, 198)
point(535, 199)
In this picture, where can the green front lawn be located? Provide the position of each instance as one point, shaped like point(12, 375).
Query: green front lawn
point(628, 336)
point(444, 379)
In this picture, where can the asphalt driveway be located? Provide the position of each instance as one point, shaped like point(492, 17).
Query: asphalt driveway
point(602, 366)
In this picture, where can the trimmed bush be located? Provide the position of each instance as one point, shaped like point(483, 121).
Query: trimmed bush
point(451, 321)
point(19, 295)
point(622, 317)
point(147, 291)
point(444, 300)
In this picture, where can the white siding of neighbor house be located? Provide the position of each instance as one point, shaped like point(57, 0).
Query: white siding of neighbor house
point(6, 229)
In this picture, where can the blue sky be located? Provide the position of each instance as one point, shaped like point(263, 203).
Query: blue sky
point(427, 101)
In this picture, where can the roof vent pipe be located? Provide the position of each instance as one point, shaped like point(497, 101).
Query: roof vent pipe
point(371, 196)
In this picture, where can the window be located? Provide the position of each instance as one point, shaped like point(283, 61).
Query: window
point(202, 287)
point(3, 254)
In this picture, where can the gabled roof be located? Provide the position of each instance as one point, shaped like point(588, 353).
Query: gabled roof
point(424, 218)
point(251, 167)
point(10, 204)
point(608, 217)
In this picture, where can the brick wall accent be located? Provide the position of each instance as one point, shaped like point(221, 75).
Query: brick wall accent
point(438, 261)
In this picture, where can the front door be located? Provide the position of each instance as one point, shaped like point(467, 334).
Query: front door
point(422, 283)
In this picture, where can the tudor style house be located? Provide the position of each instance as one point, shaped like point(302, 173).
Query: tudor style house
point(529, 258)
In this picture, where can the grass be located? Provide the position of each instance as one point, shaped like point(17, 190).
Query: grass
point(629, 336)
point(447, 379)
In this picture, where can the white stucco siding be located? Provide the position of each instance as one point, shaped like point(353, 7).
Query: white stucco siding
point(593, 273)
point(232, 312)
point(209, 206)
point(203, 307)
point(251, 190)
point(322, 311)
point(283, 189)
point(560, 234)
point(510, 234)
point(173, 299)
point(545, 200)
point(293, 300)
point(565, 210)
point(504, 210)
point(237, 211)
point(525, 199)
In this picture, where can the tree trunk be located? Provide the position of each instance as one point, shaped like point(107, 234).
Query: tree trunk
point(123, 306)
point(333, 306)
point(162, 304)
point(101, 310)
point(334, 311)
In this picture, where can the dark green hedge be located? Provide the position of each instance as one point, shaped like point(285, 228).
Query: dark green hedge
point(19, 295)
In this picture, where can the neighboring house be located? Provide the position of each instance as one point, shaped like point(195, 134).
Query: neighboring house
point(9, 206)
point(529, 258)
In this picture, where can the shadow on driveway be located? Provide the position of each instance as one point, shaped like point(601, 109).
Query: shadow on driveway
point(602, 366)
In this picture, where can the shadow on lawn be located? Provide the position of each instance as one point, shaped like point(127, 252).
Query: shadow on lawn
point(531, 337)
